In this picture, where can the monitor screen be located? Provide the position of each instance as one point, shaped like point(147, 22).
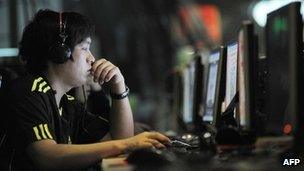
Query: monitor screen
point(211, 86)
point(283, 48)
point(188, 93)
point(231, 72)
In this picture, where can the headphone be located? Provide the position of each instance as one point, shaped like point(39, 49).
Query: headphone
point(60, 52)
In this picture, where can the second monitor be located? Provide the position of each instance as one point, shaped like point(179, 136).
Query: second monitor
point(215, 86)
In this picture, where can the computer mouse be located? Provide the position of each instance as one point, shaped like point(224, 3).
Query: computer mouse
point(207, 142)
point(151, 157)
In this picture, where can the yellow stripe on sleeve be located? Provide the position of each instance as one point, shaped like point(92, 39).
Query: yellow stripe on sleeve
point(46, 128)
point(37, 133)
point(42, 131)
point(35, 83)
point(41, 85)
point(46, 89)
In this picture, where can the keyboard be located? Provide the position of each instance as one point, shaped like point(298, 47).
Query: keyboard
point(185, 141)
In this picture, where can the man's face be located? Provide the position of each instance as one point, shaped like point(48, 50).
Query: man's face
point(78, 69)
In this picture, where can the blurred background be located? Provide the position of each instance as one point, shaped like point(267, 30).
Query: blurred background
point(149, 40)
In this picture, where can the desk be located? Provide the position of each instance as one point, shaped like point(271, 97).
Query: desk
point(116, 164)
point(265, 160)
point(270, 164)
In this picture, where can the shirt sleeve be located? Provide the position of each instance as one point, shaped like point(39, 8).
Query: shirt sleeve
point(92, 127)
point(30, 120)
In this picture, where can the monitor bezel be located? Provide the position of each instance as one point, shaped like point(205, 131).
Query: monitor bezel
point(250, 61)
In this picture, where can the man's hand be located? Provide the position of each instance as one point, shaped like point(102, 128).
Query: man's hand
point(104, 71)
point(147, 140)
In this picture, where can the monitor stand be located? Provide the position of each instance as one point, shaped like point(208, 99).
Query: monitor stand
point(228, 131)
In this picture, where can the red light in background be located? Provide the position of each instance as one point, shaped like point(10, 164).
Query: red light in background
point(287, 128)
point(204, 15)
point(211, 17)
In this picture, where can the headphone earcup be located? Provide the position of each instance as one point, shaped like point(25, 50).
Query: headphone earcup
point(60, 53)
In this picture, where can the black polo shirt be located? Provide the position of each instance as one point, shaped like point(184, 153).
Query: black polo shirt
point(30, 114)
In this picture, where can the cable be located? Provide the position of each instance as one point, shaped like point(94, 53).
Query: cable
point(84, 97)
point(84, 111)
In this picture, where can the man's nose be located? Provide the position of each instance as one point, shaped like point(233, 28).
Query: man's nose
point(90, 57)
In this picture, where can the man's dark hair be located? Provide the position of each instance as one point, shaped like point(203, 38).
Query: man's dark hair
point(43, 32)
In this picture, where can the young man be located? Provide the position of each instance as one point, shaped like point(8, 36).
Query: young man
point(46, 129)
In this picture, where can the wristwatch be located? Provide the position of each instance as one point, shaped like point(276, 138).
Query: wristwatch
point(120, 96)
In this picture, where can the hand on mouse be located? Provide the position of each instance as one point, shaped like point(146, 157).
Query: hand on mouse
point(147, 140)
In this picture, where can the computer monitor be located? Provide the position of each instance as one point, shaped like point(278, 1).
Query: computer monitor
point(214, 94)
point(247, 76)
point(188, 93)
point(211, 86)
point(284, 97)
point(231, 72)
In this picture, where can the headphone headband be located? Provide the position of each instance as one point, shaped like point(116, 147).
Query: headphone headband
point(62, 26)
point(60, 52)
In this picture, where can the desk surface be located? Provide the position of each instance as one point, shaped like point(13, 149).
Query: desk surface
point(114, 161)
point(118, 164)
point(267, 160)
point(246, 163)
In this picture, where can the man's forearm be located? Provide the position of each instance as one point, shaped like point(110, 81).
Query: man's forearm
point(121, 118)
point(47, 155)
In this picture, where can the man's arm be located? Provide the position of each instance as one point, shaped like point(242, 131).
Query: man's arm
point(48, 155)
point(121, 119)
